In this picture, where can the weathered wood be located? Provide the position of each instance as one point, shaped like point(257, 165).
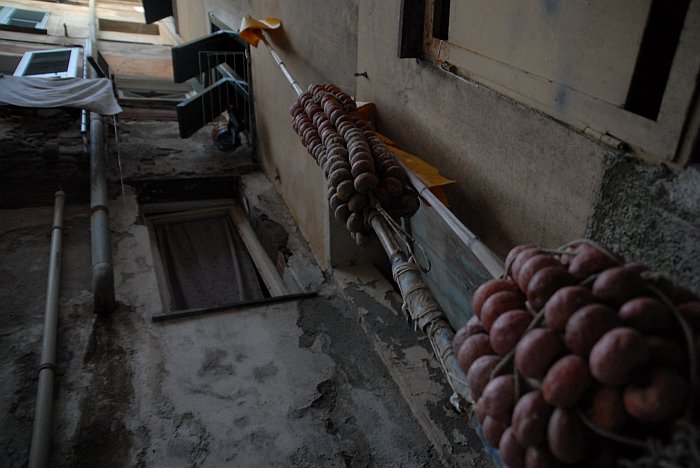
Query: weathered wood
point(262, 262)
point(441, 19)
point(455, 272)
point(411, 28)
point(581, 103)
point(231, 307)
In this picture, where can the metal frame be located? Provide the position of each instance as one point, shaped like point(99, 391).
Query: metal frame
point(71, 70)
point(7, 12)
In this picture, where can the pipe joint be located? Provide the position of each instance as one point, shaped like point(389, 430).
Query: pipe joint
point(103, 287)
point(95, 208)
point(47, 365)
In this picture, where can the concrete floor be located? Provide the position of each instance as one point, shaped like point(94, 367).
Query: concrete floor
point(335, 380)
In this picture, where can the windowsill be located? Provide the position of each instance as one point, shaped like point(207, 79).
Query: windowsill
point(23, 29)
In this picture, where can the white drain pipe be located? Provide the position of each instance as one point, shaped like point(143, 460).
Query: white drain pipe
point(41, 435)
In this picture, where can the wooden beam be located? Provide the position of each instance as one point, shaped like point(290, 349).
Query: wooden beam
point(411, 29)
point(231, 307)
point(441, 19)
point(262, 262)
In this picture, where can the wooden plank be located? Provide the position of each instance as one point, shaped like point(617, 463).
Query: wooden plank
point(455, 271)
point(173, 207)
point(262, 262)
point(588, 46)
point(411, 29)
point(161, 277)
point(231, 307)
point(441, 19)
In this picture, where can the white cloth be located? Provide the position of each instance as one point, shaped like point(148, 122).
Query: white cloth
point(93, 94)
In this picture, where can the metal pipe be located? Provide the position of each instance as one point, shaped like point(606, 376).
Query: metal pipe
point(418, 299)
point(422, 307)
point(102, 271)
point(282, 67)
point(41, 434)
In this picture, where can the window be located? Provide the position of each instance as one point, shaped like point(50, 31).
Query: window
point(205, 262)
point(128, 27)
point(209, 259)
point(624, 69)
point(55, 63)
point(15, 19)
point(133, 90)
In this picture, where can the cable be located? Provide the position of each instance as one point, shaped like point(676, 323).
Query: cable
point(119, 159)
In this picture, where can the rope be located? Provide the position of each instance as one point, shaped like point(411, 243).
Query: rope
point(407, 238)
point(681, 452)
point(683, 447)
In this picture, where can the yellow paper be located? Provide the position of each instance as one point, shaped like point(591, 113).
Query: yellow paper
point(250, 28)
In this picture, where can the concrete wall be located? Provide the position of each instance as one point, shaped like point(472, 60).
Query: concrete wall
point(651, 216)
point(516, 169)
point(192, 19)
point(318, 43)
point(274, 385)
point(521, 176)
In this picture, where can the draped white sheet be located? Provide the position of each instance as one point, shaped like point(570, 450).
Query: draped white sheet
point(93, 94)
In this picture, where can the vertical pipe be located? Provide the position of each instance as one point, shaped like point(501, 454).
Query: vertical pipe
point(102, 271)
point(41, 435)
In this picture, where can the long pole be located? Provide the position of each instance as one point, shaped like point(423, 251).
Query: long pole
point(41, 435)
point(421, 304)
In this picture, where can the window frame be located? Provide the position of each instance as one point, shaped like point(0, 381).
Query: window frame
point(661, 139)
point(185, 211)
point(71, 70)
point(7, 12)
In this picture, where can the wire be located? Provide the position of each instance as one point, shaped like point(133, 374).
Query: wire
point(119, 159)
